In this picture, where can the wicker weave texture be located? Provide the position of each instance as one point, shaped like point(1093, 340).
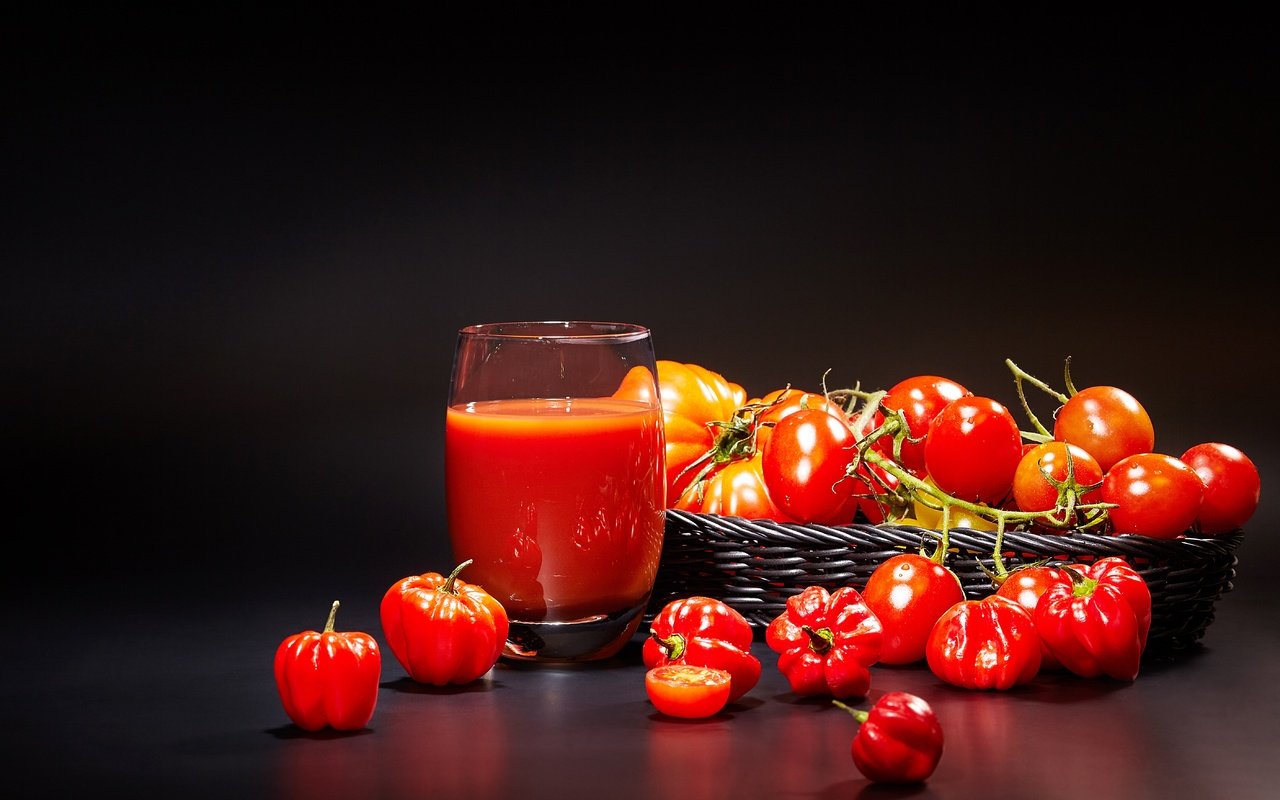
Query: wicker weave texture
point(755, 565)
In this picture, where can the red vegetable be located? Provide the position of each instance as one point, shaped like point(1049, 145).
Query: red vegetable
point(985, 644)
point(1231, 487)
point(826, 642)
point(1098, 625)
point(900, 740)
point(704, 632)
point(443, 630)
point(679, 690)
point(1155, 494)
point(327, 678)
point(1026, 585)
point(907, 593)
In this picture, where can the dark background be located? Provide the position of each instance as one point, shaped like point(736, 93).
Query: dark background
point(237, 264)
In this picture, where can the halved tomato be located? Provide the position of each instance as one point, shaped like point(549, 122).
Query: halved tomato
point(682, 690)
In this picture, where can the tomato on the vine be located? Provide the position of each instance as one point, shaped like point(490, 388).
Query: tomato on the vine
point(782, 403)
point(1045, 465)
point(1155, 494)
point(1231, 487)
point(1108, 422)
point(689, 692)
point(919, 399)
point(908, 593)
point(735, 489)
point(973, 448)
point(693, 397)
point(804, 464)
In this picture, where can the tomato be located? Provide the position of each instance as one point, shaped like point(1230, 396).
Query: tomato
point(973, 448)
point(990, 643)
point(736, 489)
point(1231, 487)
point(1155, 494)
point(908, 593)
point(919, 398)
point(1108, 422)
point(681, 690)
point(1044, 465)
point(804, 463)
point(1025, 586)
point(692, 397)
point(782, 403)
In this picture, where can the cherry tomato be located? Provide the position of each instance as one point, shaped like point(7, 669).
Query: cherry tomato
point(782, 403)
point(736, 489)
point(1155, 494)
point(681, 690)
point(973, 448)
point(1231, 487)
point(1025, 586)
point(804, 463)
point(1032, 486)
point(1108, 422)
point(908, 593)
point(919, 398)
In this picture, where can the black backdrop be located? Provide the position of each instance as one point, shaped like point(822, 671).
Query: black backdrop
point(237, 265)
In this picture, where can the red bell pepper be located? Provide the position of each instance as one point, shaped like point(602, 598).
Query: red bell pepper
point(704, 632)
point(443, 630)
point(984, 644)
point(1098, 625)
point(327, 678)
point(900, 739)
point(826, 642)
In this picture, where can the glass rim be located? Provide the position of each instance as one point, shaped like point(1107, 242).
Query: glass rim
point(558, 330)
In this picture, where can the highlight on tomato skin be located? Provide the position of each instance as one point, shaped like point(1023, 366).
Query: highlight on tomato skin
point(686, 691)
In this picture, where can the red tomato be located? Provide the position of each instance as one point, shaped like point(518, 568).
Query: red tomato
point(1025, 586)
point(1046, 464)
point(972, 449)
point(1155, 495)
point(736, 489)
point(908, 593)
point(804, 463)
point(1231, 487)
point(1109, 423)
point(990, 643)
point(919, 398)
point(782, 403)
point(681, 690)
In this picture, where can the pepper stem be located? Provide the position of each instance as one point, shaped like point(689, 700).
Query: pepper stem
point(453, 576)
point(673, 647)
point(858, 714)
point(820, 640)
point(333, 613)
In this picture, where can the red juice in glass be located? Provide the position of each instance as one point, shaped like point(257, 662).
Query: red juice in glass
point(559, 504)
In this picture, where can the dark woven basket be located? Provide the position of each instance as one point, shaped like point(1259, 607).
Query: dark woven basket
point(755, 565)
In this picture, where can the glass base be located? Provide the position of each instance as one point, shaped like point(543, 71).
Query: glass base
point(590, 638)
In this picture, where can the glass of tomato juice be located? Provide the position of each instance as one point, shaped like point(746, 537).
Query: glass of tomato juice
point(554, 480)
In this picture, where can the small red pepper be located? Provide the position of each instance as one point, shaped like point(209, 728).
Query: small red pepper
point(899, 741)
point(328, 679)
point(443, 630)
point(1098, 625)
point(704, 632)
point(985, 644)
point(826, 642)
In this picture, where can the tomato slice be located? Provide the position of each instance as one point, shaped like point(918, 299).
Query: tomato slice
point(682, 690)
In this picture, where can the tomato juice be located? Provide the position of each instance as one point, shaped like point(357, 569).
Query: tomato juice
point(558, 502)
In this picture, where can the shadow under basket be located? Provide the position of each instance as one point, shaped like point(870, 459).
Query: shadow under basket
point(754, 566)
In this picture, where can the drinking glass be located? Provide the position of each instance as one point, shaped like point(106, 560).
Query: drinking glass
point(554, 480)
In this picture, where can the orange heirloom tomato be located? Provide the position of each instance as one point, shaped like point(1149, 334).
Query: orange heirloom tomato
point(682, 690)
point(692, 398)
point(736, 489)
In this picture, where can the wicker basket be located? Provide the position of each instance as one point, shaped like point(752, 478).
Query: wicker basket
point(755, 565)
